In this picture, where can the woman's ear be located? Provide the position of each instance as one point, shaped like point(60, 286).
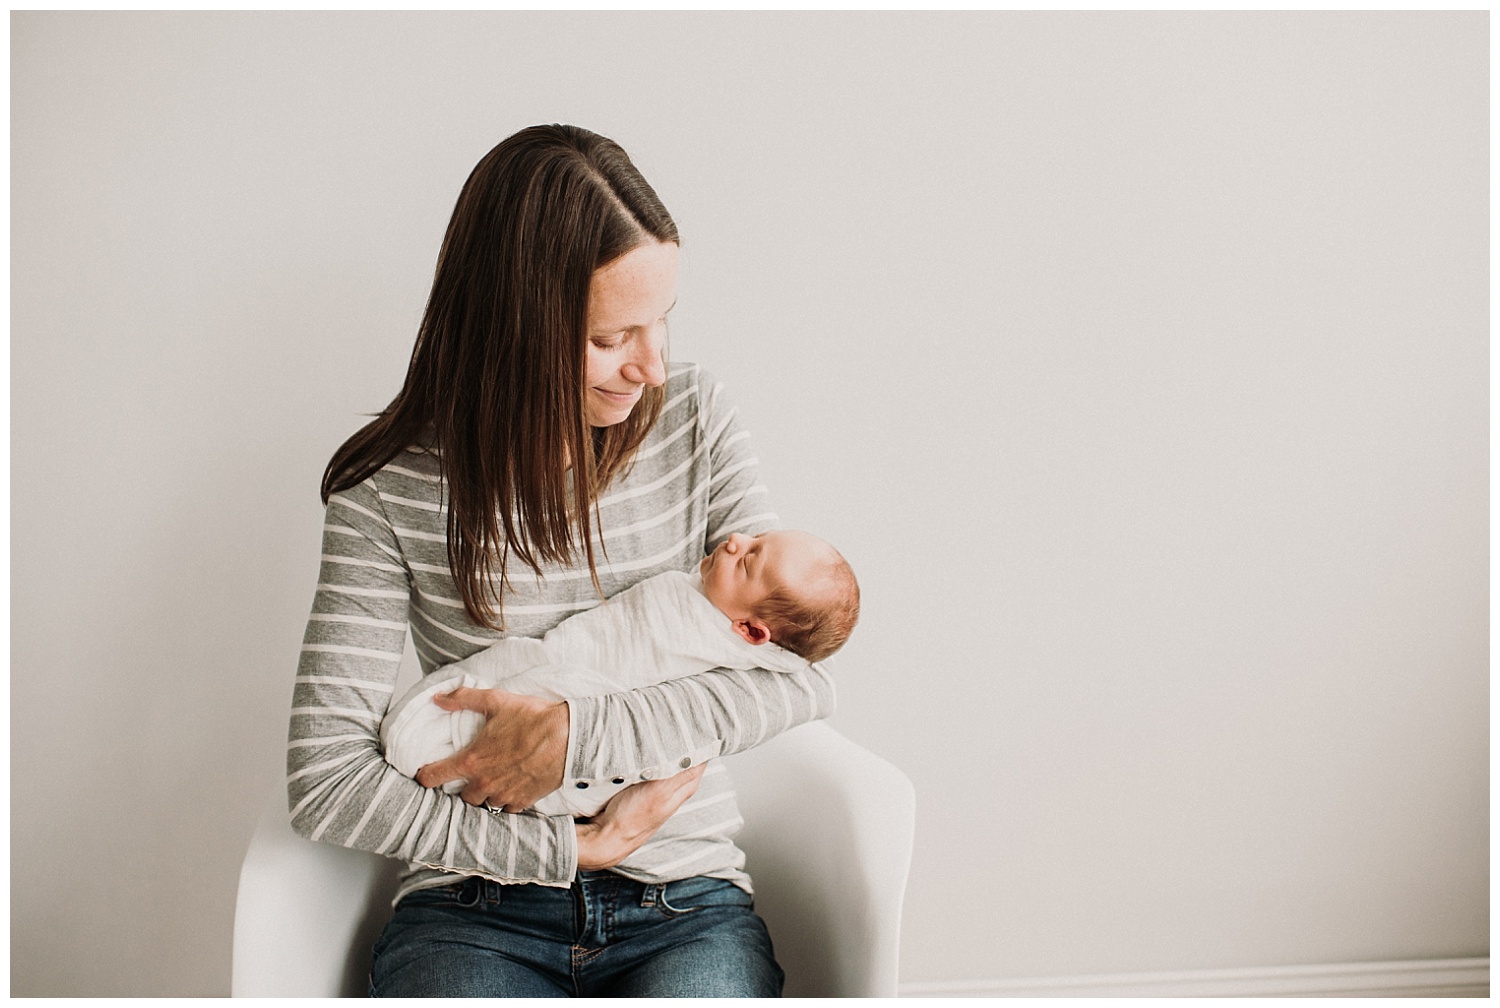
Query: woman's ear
point(753, 630)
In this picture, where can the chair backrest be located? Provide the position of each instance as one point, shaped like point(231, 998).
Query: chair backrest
point(828, 839)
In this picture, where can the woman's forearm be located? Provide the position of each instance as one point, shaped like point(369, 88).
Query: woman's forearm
point(657, 731)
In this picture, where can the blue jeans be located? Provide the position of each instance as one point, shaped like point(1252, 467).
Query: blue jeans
point(607, 936)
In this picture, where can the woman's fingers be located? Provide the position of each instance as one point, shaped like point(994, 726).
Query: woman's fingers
point(632, 816)
point(439, 773)
point(516, 758)
point(465, 698)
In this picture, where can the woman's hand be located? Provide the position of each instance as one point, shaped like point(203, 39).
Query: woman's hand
point(517, 757)
point(632, 817)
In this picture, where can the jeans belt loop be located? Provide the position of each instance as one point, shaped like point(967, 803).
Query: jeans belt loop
point(650, 894)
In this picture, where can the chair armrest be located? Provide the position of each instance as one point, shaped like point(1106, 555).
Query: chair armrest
point(828, 837)
point(307, 913)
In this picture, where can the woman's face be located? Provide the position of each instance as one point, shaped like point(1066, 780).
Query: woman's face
point(627, 329)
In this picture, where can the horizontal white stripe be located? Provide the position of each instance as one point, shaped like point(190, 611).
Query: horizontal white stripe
point(514, 609)
point(319, 680)
point(369, 621)
point(403, 471)
point(362, 592)
point(345, 649)
point(306, 743)
point(678, 556)
point(652, 522)
point(442, 600)
point(409, 533)
point(358, 562)
point(354, 712)
point(408, 502)
point(357, 534)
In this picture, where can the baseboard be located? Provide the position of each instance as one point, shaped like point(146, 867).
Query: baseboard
point(1411, 978)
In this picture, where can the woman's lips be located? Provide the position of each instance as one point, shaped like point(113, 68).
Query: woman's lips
point(619, 397)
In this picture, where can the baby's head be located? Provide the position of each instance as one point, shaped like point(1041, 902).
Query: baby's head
point(787, 587)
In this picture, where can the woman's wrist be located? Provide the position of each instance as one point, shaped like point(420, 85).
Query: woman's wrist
point(597, 845)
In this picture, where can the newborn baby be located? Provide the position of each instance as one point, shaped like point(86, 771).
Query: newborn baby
point(776, 601)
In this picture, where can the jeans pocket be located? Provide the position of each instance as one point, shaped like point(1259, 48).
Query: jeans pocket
point(464, 894)
point(677, 899)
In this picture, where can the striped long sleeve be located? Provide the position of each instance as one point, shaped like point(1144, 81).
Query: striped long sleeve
point(340, 788)
point(385, 573)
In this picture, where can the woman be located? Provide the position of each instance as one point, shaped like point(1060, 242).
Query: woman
point(541, 456)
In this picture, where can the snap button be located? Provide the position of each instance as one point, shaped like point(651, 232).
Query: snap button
point(582, 784)
point(618, 780)
point(648, 774)
point(686, 762)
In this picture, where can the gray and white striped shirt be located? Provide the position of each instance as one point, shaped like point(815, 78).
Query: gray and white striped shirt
point(385, 569)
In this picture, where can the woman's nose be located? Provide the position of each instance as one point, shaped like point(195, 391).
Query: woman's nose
point(646, 365)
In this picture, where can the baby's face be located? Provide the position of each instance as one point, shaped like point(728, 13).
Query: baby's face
point(745, 569)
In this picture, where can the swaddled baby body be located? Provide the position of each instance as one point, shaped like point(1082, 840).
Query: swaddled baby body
point(774, 601)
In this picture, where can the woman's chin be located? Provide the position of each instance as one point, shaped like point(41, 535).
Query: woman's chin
point(607, 417)
point(605, 412)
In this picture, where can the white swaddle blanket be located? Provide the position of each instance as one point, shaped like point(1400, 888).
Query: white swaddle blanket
point(663, 628)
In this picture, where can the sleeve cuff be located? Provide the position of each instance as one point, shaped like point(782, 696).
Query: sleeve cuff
point(600, 775)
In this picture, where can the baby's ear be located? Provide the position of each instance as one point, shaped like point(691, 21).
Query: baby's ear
point(753, 630)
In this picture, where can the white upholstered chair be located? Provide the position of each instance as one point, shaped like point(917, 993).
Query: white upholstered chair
point(828, 836)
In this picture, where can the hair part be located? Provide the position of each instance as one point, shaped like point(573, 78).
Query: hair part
point(813, 624)
point(496, 383)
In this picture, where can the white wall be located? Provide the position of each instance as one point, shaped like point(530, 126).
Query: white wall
point(1137, 362)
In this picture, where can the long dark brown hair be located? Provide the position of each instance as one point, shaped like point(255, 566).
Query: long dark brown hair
point(496, 383)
